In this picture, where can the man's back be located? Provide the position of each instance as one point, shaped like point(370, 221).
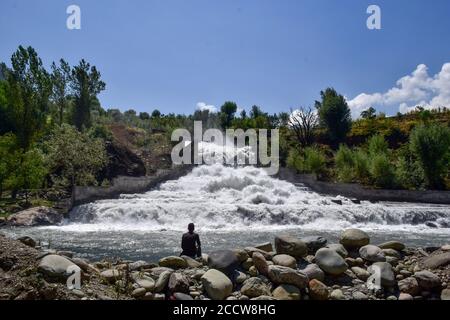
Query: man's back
point(188, 244)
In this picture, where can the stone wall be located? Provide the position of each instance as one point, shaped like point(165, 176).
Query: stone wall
point(124, 185)
point(357, 191)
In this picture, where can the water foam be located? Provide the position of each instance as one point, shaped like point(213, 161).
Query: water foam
point(221, 198)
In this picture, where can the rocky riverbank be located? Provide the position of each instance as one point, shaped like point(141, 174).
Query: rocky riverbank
point(288, 269)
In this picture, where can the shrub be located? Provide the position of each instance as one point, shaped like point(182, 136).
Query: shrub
point(311, 160)
point(376, 145)
point(382, 171)
point(344, 163)
point(361, 166)
point(431, 145)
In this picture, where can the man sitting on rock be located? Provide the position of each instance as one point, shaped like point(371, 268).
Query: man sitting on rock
point(190, 243)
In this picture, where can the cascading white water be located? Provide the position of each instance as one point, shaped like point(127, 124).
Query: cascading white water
point(217, 197)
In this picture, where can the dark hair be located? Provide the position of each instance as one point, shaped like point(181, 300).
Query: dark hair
point(191, 226)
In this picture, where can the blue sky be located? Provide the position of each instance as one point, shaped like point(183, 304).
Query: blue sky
point(174, 54)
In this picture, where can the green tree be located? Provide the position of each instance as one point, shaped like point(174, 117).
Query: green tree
point(156, 113)
point(74, 157)
point(144, 116)
point(370, 113)
point(334, 114)
point(61, 80)
point(29, 89)
point(227, 112)
point(377, 145)
point(382, 171)
point(431, 145)
point(30, 172)
point(86, 84)
point(8, 157)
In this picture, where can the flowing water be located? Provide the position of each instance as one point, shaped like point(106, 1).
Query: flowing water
point(231, 207)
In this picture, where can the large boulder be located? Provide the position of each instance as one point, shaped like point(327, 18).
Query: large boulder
point(241, 255)
point(330, 261)
point(314, 243)
point(292, 246)
point(255, 287)
point(178, 282)
point(427, 280)
point(223, 260)
point(252, 250)
point(313, 271)
point(38, 216)
point(285, 275)
point(383, 274)
point(217, 284)
point(372, 253)
point(286, 292)
point(354, 239)
point(285, 260)
point(27, 241)
point(56, 267)
point(260, 263)
point(173, 262)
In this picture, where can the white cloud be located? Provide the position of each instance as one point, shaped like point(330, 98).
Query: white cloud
point(203, 106)
point(417, 88)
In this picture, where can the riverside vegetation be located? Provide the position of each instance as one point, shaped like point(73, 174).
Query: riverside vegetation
point(54, 134)
point(294, 269)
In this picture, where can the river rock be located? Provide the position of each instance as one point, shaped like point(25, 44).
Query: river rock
point(330, 261)
point(37, 216)
point(339, 248)
point(405, 297)
point(409, 286)
point(445, 247)
point(191, 263)
point(173, 262)
point(143, 281)
point(239, 277)
point(396, 245)
point(285, 275)
point(285, 260)
point(337, 294)
point(241, 255)
point(217, 284)
point(111, 275)
point(155, 272)
point(427, 280)
point(162, 281)
point(223, 260)
point(361, 273)
point(437, 261)
point(260, 263)
point(318, 290)
point(57, 267)
point(139, 292)
point(314, 243)
point(313, 271)
point(140, 265)
point(255, 287)
point(445, 294)
point(372, 253)
point(392, 253)
point(27, 241)
point(358, 295)
point(286, 292)
point(285, 244)
point(267, 255)
point(84, 265)
point(354, 239)
point(267, 246)
point(182, 296)
point(178, 282)
point(384, 270)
